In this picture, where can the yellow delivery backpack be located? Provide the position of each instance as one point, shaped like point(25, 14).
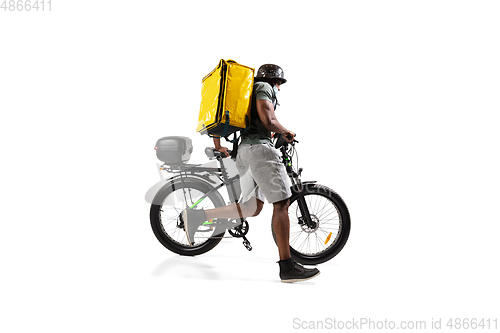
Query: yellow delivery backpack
point(226, 96)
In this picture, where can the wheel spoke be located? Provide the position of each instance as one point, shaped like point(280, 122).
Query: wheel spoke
point(320, 213)
point(292, 241)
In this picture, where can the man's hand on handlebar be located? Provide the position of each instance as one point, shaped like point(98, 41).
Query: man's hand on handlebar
point(289, 136)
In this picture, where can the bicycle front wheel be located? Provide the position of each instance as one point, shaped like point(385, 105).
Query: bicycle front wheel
point(311, 245)
point(170, 201)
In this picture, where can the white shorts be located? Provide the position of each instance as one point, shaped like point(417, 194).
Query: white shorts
point(262, 173)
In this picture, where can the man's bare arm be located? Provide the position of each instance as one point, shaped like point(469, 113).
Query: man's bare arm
point(269, 120)
point(218, 147)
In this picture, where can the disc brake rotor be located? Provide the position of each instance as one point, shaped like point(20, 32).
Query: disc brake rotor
point(305, 227)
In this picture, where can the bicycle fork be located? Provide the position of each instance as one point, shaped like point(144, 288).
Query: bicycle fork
point(301, 200)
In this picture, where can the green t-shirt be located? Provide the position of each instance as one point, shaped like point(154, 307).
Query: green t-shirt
point(257, 133)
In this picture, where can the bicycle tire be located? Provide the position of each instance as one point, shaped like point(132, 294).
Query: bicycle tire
point(338, 240)
point(159, 220)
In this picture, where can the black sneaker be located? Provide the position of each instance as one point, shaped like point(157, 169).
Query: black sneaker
point(192, 219)
point(291, 271)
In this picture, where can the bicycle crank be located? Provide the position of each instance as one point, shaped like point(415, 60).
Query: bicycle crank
point(246, 244)
point(240, 230)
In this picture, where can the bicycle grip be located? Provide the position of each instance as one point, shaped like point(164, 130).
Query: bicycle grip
point(289, 137)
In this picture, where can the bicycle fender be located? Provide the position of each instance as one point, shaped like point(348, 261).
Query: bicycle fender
point(151, 193)
point(295, 190)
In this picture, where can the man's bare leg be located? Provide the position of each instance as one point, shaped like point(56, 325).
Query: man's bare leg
point(290, 271)
point(281, 225)
point(252, 207)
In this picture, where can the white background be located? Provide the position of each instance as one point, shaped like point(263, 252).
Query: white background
point(395, 105)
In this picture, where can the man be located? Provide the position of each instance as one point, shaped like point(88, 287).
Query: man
point(263, 175)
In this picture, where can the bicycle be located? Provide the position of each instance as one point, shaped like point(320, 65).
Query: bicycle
point(319, 219)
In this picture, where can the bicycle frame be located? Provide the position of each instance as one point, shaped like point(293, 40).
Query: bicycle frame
point(203, 174)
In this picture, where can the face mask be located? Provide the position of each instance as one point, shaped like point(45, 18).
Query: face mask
point(275, 90)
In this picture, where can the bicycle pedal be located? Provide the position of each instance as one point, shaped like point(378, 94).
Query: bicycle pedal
point(246, 243)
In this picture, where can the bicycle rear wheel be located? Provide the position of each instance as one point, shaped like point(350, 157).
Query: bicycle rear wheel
point(332, 224)
point(170, 201)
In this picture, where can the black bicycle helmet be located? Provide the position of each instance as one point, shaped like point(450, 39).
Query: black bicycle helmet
point(270, 71)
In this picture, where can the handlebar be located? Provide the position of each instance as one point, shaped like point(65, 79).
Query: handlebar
point(280, 140)
point(289, 137)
